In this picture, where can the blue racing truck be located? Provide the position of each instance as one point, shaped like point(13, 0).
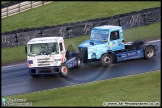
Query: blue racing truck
point(106, 44)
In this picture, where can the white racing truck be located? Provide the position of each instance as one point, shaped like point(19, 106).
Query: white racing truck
point(47, 55)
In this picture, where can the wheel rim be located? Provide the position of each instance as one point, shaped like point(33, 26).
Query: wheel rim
point(150, 52)
point(106, 59)
point(78, 62)
point(64, 70)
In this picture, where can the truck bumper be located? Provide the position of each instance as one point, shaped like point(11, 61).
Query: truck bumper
point(44, 70)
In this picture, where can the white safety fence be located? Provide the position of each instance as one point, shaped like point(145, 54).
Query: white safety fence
point(21, 7)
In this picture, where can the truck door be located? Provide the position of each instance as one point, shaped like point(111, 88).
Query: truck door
point(115, 42)
point(62, 52)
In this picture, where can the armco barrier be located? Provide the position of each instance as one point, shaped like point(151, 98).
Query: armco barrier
point(82, 28)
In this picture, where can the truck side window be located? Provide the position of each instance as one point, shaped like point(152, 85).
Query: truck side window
point(114, 35)
point(60, 44)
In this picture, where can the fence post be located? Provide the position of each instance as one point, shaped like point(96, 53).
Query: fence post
point(19, 7)
point(31, 4)
point(119, 21)
point(144, 18)
point(16, 40)
point(7, 11)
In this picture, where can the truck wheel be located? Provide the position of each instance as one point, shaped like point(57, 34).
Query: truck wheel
point(33, 75)
point(106, 60)
point(64, 70)
point(149, 52)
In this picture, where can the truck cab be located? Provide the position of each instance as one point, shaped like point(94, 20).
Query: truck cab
point(102, 39)
point(106, 44)
point(47, 55)
point(47, 51)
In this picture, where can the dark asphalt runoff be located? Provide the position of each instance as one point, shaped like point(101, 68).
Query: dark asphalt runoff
point(15, 79)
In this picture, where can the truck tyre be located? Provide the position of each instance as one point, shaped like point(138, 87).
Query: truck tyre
point(64, 70)
point(78, 62)
point(106, 60)
point(149, 52)
point(34, 75)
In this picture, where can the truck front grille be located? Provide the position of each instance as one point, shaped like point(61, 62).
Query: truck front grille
point(43, 62)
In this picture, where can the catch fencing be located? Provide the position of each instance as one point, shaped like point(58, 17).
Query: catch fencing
point(82, 28)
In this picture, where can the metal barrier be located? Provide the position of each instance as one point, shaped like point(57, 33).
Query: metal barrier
point(69, 30)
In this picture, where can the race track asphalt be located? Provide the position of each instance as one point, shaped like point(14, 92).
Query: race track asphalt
point(15, 79)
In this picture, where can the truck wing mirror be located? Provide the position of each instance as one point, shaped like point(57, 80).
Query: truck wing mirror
point(25, 49)
point(61, 48)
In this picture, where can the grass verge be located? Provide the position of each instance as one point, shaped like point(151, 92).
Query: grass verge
point(3, 2)
point(143, 87)
point(62, 12)
point(17, 54)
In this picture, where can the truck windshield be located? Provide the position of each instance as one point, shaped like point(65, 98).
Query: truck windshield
point(42, 49)
point(101, 35)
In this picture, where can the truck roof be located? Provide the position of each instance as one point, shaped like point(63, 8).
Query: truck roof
point(108, 27)
point(45, 40)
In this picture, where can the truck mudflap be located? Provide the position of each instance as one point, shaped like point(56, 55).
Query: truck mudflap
point(134, 54)
point(156, 47)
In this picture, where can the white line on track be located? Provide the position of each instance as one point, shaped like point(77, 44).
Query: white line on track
point(14, 65)
point(154, 41)
point(15, 84)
